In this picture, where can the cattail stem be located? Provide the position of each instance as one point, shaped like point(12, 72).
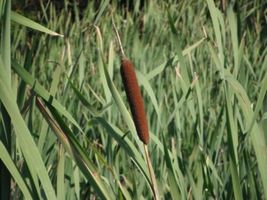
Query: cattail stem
point(151, 174)
point(118, 38)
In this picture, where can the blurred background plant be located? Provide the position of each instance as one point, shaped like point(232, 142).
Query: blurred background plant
point(65, 127)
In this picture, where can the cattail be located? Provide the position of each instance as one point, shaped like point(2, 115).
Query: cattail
point(135, 99)
point(133, 93)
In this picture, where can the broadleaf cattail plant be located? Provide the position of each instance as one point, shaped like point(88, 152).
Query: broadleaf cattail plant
point(137, 107)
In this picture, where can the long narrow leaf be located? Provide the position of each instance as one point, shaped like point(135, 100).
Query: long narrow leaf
point(5, 157)
point(31, 24)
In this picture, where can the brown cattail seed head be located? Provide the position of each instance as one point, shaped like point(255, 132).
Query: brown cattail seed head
point(135, 99)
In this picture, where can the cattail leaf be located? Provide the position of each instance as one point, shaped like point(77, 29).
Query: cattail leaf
point(126, 144)
point(103, 6)
point(172, 177)
point(83, 100)
point(41, 91)
point(6, 159)
point(231, 123)
point(27, 144)
point(60, 174)
point(211, 165)
point(79, 155)
point(6, 39)
point(144, 82)
point(256, 134)
point(157, 70)
point(20, 19)
point(157, 141)
point(215, 16)
point(260, 100)
point(234, 37)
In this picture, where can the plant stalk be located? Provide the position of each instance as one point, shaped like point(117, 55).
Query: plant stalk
point(151, 174)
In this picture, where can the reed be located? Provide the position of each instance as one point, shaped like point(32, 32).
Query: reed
point(137, 107)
